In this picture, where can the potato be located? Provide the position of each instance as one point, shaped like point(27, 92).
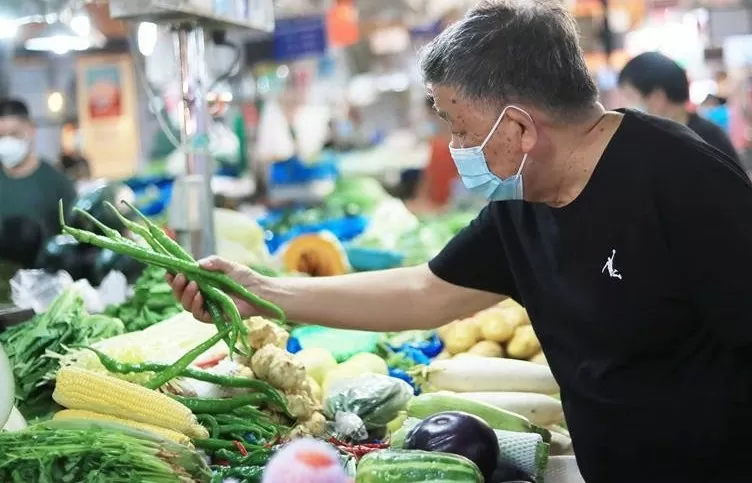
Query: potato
point(516, 315)
point(496, 327)
point(462, 337)
point(445, 329)
point(487, 348)
point(524, 344)
point(539, 358)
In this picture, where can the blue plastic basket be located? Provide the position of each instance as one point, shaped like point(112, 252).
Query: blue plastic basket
point(153, 193)
point(366, 259)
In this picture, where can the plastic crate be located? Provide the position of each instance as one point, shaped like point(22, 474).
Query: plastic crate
point(366, 259)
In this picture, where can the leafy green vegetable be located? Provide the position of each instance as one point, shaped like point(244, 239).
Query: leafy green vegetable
point(95, 452)
point(31, 347)
point(151, 303)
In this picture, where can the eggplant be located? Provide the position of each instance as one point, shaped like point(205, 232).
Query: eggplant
point(457, 433)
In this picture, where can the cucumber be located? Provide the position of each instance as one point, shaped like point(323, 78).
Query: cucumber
point(406, 466)
point(428, 404)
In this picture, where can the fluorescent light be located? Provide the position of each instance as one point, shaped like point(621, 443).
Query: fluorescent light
point(59, 38)
point(147, 38)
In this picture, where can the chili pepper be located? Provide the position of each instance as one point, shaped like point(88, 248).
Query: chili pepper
point(181, 364)
point(247, 427)
point(241, 448)
point(250, 474)
point(213, 444)
point(257, 457)
point(192, 270)
point(211, 422)
point(218, 406)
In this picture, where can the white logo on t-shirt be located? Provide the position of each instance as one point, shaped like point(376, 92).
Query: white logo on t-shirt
point(612, 272)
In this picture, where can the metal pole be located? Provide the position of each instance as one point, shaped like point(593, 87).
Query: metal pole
point(6, 67)
point(192, 205)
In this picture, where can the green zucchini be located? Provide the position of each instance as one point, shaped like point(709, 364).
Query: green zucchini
point(409, 466)
point(428, 404)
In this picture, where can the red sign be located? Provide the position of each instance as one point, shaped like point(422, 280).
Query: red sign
point(342, 24)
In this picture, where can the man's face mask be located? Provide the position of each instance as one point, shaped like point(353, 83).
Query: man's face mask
point(13, 151)
point(477, 177)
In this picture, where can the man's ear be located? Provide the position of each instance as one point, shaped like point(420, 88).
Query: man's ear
point(529, 132)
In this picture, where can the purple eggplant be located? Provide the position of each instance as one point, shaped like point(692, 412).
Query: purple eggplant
point(458, 433)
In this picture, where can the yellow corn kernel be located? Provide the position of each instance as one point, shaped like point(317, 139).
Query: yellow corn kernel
point(150, 428)
point(77, 388)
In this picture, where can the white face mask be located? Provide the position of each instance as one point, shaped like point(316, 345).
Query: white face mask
point(13, 151)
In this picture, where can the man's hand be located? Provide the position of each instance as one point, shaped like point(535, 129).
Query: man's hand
point(190, 296)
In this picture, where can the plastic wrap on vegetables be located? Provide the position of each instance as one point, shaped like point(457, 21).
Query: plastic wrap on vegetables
point(375, 398)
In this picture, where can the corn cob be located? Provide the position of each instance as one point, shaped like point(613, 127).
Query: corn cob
point(92, 416)
point(77, 388)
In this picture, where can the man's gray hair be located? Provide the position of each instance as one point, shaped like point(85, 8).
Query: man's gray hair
point(506, 51)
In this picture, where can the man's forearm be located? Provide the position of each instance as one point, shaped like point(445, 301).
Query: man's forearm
point(391, 300)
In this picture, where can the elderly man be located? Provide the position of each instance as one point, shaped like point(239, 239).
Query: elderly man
point(620, 232)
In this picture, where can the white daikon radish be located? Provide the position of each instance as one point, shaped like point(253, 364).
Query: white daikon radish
point(561, 443)
point(489, 374)
point(540, 409)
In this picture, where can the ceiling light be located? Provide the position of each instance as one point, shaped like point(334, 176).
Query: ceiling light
point(147, 38)
point(55, 102)
point(61, 38)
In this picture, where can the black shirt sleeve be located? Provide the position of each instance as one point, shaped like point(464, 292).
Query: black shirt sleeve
point(713, 135)
point(708, 220)
point(475, 258)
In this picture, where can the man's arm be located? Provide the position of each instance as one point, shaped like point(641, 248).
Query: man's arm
point(390, 300)
point(469, 275)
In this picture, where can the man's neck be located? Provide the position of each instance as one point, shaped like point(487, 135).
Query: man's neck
point(26, 168)
point(574, 151)
point(677, 113)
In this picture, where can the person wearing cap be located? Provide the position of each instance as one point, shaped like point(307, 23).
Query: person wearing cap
point(30, 188)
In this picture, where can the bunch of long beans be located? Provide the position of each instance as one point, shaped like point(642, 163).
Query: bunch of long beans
point(164, 252)
point(95, 452)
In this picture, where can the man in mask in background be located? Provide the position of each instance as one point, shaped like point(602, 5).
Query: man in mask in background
point(654, 83)
point(30, 188)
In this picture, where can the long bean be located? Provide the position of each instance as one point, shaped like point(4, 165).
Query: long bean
point(263, 387)
point(218, 406)
point(181, 364)
point(216, 299)
point(209, 423)
point(170, 263)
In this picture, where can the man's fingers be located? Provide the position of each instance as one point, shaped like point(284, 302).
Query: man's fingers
point(170, 278)
point(190, 293)
point(197, 307)
point(178, 285)
point(216, 264)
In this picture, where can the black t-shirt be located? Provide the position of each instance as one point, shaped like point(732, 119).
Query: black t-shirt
point(712, 134)
point(638, 293)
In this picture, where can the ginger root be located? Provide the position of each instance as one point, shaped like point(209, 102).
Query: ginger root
point(262, 332)
point(278, 367)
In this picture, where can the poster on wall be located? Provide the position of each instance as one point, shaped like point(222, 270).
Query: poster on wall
point(105, 91)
